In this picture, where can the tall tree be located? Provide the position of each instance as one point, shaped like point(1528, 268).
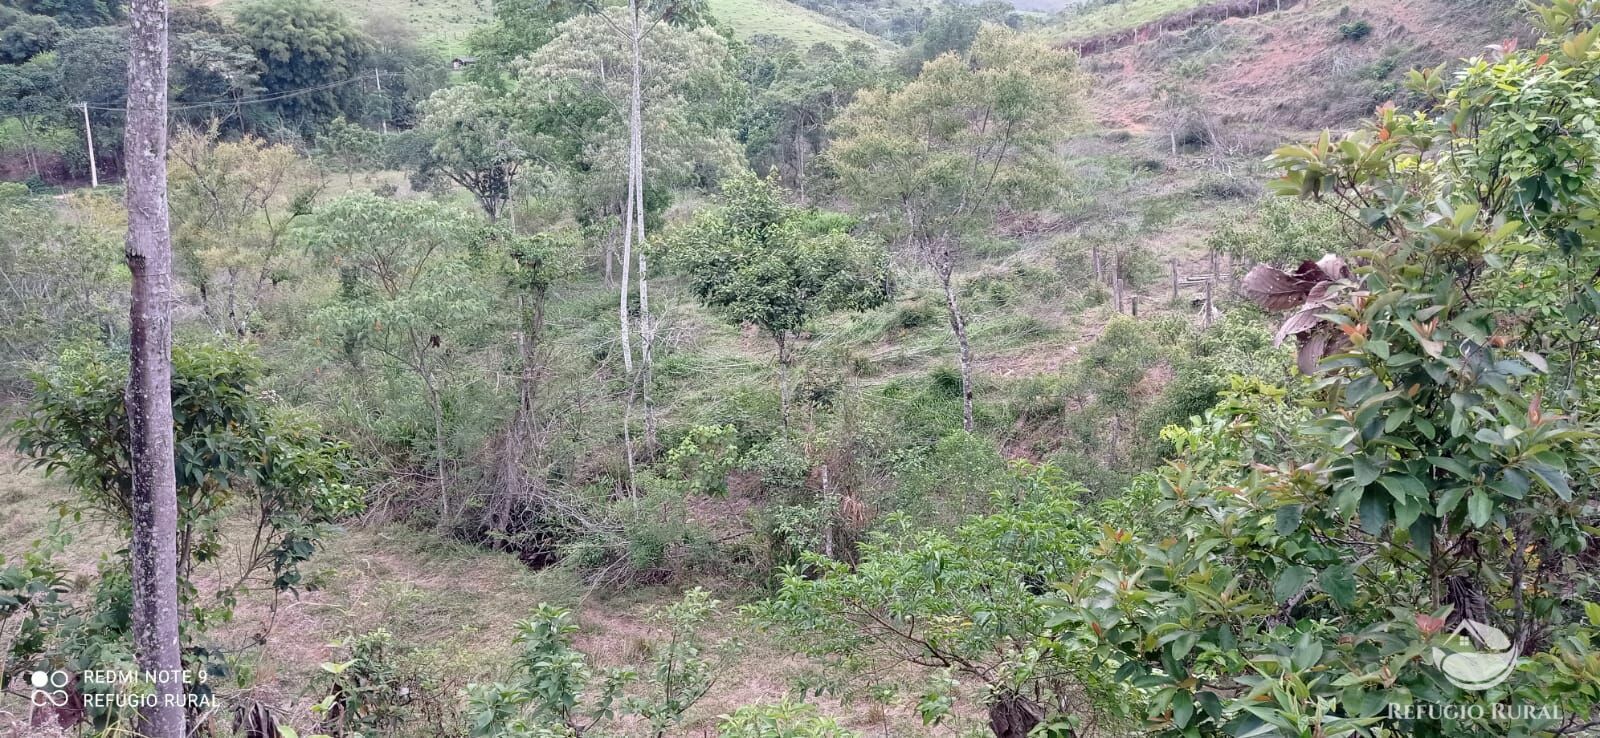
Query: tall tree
point(155, 487)
point(305, 44)
point(935, 162)
point(477, 142)
point(683, 74)
point(763, 261)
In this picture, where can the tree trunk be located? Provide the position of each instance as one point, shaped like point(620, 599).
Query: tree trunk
point(153, 549)
point(647, 325)
point(959, 325)
point(1014, 716)
point(783, 377)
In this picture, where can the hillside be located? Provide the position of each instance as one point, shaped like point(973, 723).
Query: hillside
point(1265, 76)
point(669, 390)
point(786, 20)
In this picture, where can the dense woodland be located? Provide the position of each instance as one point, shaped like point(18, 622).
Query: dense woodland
point(617, 372)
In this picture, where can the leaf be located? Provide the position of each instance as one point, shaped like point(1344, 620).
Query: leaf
point(1306, 653)
point(1366, 472)
point(1593, 612)
point(1480, 506)
point(1182, 709)
point(1275, 289)
point(1553, 478)
point(1287, 519)
point(1290, 582)
point(1374, 511)
point(1403, 487)
point(1339, 583)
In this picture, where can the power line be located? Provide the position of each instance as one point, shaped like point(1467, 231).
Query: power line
point(273, 97)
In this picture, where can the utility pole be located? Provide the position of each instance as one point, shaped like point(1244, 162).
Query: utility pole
point(384, 121)
point(88, 136)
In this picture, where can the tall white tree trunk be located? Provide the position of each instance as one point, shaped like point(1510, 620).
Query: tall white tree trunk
point(153, 549)
point(647, 324)
point(958, 324)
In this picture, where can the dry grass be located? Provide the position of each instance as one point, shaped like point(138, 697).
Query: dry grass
point(459, 603)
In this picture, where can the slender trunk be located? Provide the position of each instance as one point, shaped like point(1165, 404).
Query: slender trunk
point(783, 377)
point(153, 549)
point(626, 329)
point(959, 325)
point(647, 326)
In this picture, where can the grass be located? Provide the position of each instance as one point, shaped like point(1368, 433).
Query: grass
point(1094, 20)
point(446, 23)
point(779, 18)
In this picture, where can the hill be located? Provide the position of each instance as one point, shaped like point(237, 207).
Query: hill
point(781, 18)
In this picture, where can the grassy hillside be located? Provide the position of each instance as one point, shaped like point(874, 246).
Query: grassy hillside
point(1093, 19)
point(446, 23)
point(779, 18)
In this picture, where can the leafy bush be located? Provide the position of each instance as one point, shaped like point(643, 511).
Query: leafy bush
point(967, 601)
point(783, 720)
point(555, 692)
point(1354, 30)
point(1330, 566)
point(385, 690)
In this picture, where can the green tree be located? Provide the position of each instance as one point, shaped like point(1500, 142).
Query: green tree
point(556, 692)
point(933, 162)
point(23, 35)
point(235, 452)
point(959, 604)
point(31, 93)
point(233, 204)
point(303, 44)
point(794, 97)
point(763, 261)
point(478, 142)
point(783, 720)
point(411, 296)
point(77, 13)
point(1322, 573)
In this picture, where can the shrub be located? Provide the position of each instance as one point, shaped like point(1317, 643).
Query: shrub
point(1354, 30)
point(783, 720)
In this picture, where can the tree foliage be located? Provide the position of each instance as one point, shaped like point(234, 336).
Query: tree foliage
point(1323, 569)
point(933, 163)
point(303, 44)
point(763, 261)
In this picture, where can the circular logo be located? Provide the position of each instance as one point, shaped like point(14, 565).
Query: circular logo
point(49, 688)
point(1479, 657)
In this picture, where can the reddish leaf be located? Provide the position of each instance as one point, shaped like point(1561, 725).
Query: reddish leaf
point(1275, 289)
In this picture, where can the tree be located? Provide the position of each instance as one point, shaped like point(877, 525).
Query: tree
point(479, 143)
point(684, 70)
point(1403, 554)
point(78, 13)
point(304, 44)
point(933, 163)
point(23, 35)
point(794, 97)
point(409, 295)
point(960, 603)
point(258, 489)
point(31, 93)
point(65, 277)
point(765, 262)
point(555, 692)
point(151, 449)
point(233, 206)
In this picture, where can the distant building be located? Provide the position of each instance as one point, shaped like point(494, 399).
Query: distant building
point(462, 62)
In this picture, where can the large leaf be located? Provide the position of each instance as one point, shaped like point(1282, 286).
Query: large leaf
point(1275, 289)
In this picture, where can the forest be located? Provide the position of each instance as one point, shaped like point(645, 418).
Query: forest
point(814, 369)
